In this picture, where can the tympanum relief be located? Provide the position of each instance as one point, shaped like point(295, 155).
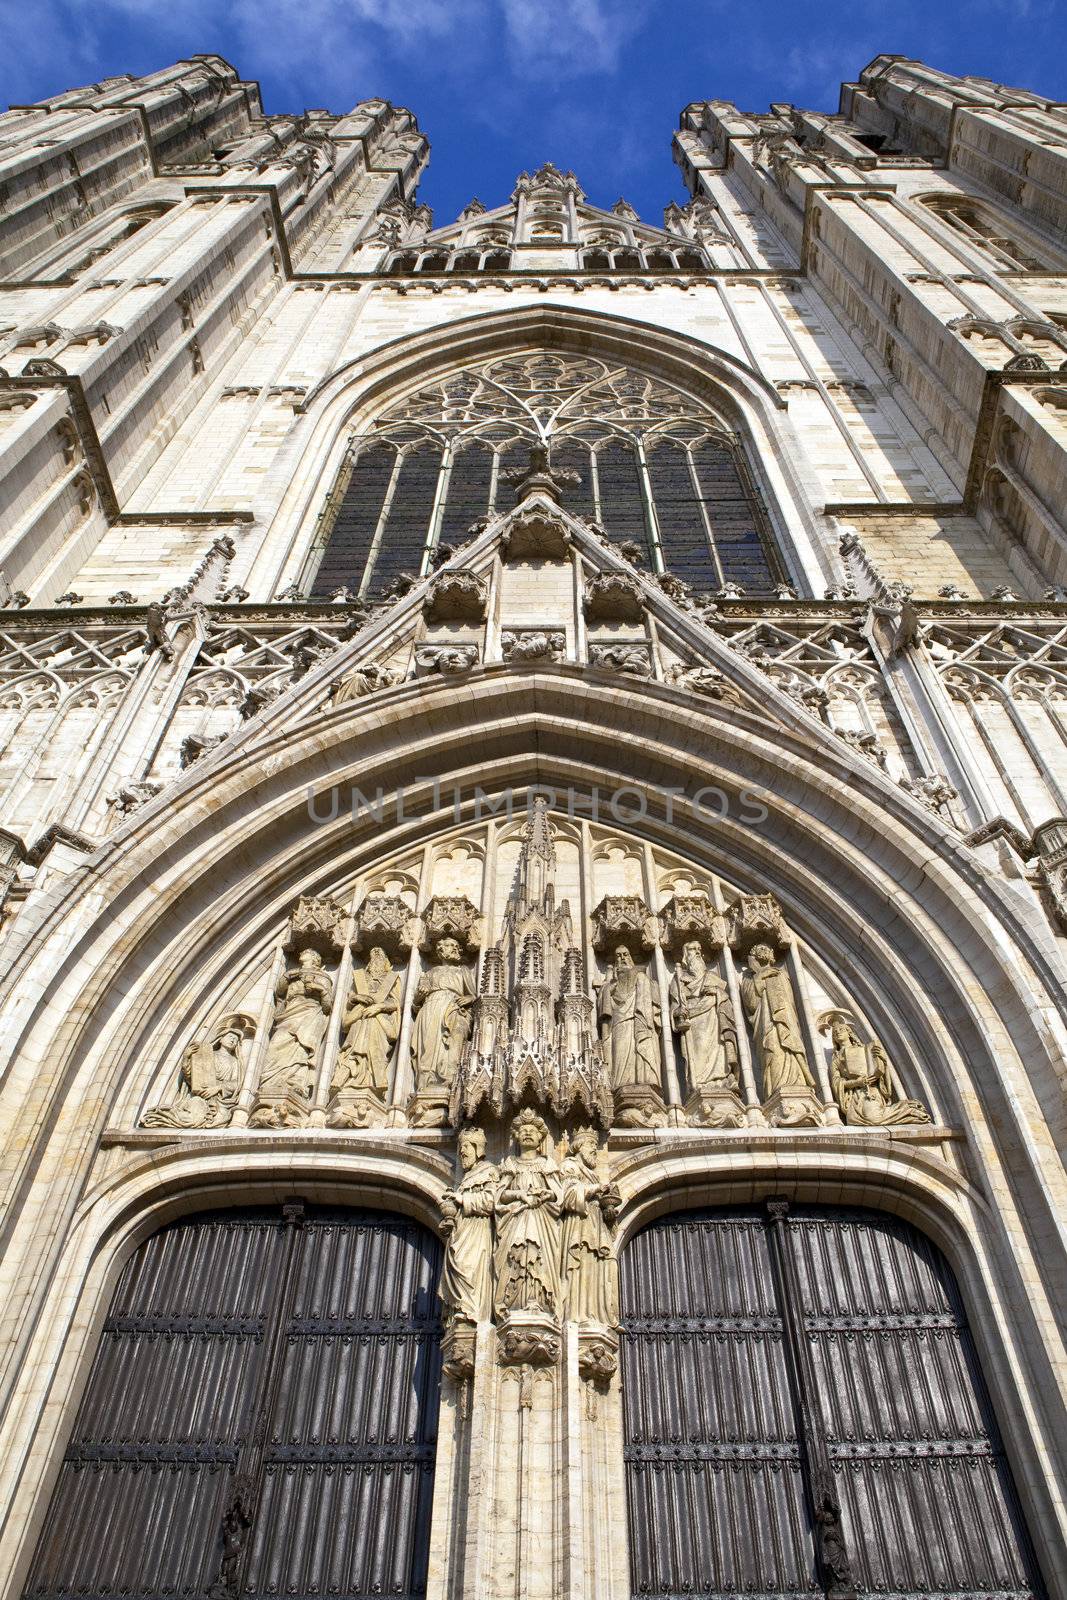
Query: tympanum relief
point(498, 1000)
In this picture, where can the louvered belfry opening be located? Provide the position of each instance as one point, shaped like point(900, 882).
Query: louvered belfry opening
point(260, 1419)
point(655, 469)
point(805, 1414)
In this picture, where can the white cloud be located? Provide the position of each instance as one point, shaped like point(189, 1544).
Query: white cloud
point(568, 38)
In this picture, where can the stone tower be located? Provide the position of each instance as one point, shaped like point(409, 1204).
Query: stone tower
point(533, 856)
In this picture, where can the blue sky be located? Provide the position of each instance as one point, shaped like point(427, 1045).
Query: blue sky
point(501, 85)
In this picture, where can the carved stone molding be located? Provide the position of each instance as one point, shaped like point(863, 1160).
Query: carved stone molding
point(458, 595)
point(317, 924)
point(688, 917)
point(623, 919)
point(612, 597)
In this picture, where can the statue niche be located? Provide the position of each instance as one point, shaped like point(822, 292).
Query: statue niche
point(788, 1086)
point(442, 1006)
point(303, 997)
point(629, 1013)
point(209, 1079)
point(702, 1015)
point(371, 1023)
point(861, 1080)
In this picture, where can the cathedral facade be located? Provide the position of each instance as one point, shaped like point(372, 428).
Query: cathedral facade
point(533, 856)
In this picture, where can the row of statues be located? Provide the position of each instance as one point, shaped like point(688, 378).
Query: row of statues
point(531, 1234)
point(701, 1014)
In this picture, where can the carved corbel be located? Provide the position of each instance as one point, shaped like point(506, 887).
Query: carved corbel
point(448, 659)
point(533, 644)
point(458, 595)
point(633, 659)
point(613, 597)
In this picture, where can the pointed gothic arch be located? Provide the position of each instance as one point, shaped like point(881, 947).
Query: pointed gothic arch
point(866, 875)
point(721, 384)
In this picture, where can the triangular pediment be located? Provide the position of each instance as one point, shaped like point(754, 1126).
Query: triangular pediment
point(538, 590)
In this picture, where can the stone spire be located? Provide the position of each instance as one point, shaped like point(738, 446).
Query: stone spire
point(533, 1039)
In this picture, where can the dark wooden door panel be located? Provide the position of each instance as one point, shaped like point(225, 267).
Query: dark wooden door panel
point(260, 1419)
point(816, 1358)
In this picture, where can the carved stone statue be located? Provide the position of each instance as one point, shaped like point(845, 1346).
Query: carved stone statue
point(767, 996)
point(529, 1201)
point(628, 1011)
point(371, 1023)
point(862, 1084)
point(209, 1080)
point(302, 1007)
point(466, 1287)
point(443, 1000)
point(372, 1020)
point(702, 1014)
point(590, 1209)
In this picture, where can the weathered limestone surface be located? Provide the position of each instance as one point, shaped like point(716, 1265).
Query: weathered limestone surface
point(546, 888)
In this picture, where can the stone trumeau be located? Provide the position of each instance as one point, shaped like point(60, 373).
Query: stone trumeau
point(533, 856)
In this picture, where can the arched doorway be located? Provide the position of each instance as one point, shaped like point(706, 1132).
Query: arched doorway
point(261, 1414)
point(805, 1414)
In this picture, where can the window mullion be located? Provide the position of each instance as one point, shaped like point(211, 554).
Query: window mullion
point(702, 510)
point(651, 521)
point(433, 532)
point(387, 504)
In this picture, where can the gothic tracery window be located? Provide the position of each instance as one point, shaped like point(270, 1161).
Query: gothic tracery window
point(655, 468)
point(983, 227)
